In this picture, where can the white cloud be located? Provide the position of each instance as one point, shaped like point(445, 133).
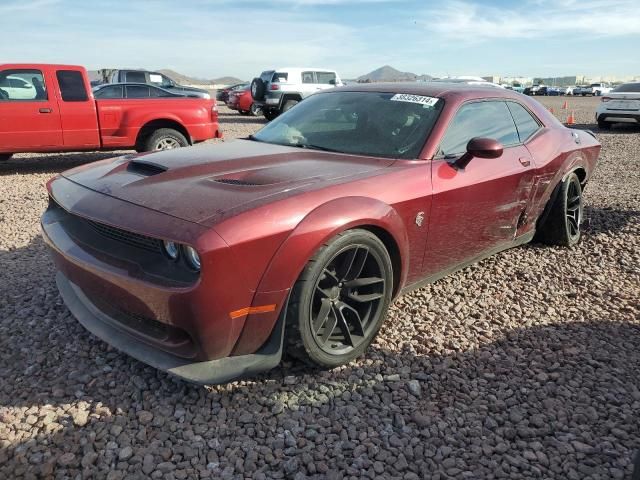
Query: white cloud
point(473, 22)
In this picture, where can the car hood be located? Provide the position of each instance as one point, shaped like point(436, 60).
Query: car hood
point(208, 183)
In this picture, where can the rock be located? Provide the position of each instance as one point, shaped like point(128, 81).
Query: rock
point(414, 388)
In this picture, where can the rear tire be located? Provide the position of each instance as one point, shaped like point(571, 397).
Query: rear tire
point(289, 104)
point(5, 156)
point(562, 223)
point(255, 110)
point(340, 300)
point(164, 139)
point(270, 114)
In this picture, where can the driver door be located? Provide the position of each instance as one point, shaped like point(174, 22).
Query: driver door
point(476, 209)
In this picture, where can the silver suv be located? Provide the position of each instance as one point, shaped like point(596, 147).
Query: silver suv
point(276, 91)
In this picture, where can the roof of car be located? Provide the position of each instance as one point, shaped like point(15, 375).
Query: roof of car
point(433, 89)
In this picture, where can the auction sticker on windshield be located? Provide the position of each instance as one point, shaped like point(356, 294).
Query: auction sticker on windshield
point(421, 99)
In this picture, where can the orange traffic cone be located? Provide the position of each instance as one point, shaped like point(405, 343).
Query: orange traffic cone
point(571, 119)
point(565, 105)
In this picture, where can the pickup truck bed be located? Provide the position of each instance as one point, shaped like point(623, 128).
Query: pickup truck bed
point(50, 108)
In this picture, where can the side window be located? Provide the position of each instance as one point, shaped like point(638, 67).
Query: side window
point(280, 77)
point(307, 77)
point(526, 124)
point(326, 78)
point(72, 86)
point(135, 77)
point(158, 92)
point(137, 91)
point(114, 91)
point(489, 119)
point(22, 85)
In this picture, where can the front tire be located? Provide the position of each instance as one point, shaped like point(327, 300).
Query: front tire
point(340, 300)
point(165, 139)
point(562, 223)
point(5, 156)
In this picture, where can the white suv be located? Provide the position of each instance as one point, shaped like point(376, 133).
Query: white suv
point(276, 91)
point(621, 105)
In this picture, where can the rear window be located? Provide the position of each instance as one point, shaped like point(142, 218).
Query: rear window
point(72, 86)
point(628, 87)
point(326, 78)
point(280, 77)
point(135, 77)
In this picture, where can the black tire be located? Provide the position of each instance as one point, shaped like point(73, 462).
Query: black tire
point(340, 300)
point(289, 104)
point(257, 89)
point(255, 110)
point(561, 223)
point(164, 139)
point(602, 125)
point(270, 114)
point(5, 156)
point(243, 112)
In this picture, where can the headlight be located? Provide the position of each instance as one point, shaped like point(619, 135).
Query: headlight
point(171, 249)
point(193, 259)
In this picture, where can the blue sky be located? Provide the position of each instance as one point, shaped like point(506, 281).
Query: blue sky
point(211, 38)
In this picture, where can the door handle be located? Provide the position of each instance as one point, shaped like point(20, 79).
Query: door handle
point(525, 162)
point(45, 110)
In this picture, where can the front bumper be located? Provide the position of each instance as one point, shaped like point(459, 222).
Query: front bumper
point(174, 322)
point(207, 372)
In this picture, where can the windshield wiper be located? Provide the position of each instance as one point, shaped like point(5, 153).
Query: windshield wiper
point(316, 147)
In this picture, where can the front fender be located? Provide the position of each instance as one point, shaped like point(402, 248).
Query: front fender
point(318, 227)
point(323, 223)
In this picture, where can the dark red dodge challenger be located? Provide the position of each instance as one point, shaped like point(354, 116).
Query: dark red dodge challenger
point(209, 262)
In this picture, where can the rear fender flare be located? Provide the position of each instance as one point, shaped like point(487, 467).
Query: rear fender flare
point(323, 223)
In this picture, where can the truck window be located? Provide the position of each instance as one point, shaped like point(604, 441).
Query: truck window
point(22, 85)
point(72, 86)
point(307, 77)
point(135, 77)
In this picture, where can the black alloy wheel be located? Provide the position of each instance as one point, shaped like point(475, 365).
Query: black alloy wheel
point(340, 300)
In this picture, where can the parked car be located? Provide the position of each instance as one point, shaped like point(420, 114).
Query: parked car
point(620, 105)
point(158, 79)
point(210, 263)
point(276, 91)
point(542, 90)
point(63, 116)
point(132, 90)
point(242, 101)
point(570, 90)
point(223, 94)
point(20, 88)
point(595, 89)
point(555, 91)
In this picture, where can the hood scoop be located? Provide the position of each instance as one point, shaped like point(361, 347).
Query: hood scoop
point(238, 181)
point(145, 168)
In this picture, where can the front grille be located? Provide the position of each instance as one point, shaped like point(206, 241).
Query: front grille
point(129, 238)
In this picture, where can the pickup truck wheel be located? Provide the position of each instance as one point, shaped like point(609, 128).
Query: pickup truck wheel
point(165, 139)
point(288, 105)
point(5, 156)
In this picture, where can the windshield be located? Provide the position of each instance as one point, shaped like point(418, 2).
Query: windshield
point(361, 123)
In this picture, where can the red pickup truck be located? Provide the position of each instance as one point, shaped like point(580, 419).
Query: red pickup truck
point(50, 108)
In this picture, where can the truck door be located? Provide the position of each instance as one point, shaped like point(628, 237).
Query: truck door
point(29, 115)
point(78, 110)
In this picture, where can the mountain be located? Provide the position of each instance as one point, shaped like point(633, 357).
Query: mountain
point(226, 81)
point(390, 74)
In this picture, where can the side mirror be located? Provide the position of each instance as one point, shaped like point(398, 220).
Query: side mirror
point(481, 148)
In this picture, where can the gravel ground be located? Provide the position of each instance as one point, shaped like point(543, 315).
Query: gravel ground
point(523, 366)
